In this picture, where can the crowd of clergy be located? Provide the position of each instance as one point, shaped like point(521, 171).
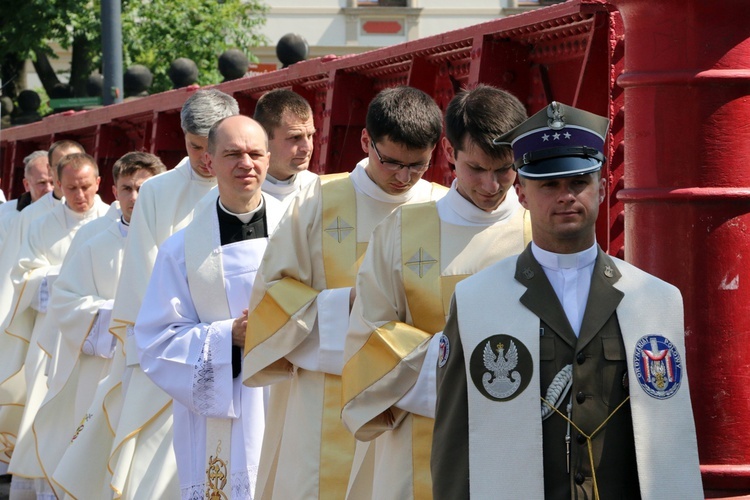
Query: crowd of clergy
point(238, 327)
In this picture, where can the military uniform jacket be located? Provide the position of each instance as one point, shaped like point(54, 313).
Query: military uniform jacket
point(487, 421)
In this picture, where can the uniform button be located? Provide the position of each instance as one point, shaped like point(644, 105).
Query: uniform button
point(579, 478)
point(581, 438)
point(580, 358)
point(580, 397)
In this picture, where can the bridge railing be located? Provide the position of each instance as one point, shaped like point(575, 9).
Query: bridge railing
point(569, 52)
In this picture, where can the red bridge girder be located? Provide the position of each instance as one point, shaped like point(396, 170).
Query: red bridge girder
point(673, 76)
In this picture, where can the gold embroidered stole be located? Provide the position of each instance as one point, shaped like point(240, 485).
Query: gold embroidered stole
point(428, 295)
point(342, 256)
point(205, 272)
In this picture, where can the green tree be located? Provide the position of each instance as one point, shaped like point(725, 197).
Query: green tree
point(155, 32)
point(158, 32)
point(28, 27)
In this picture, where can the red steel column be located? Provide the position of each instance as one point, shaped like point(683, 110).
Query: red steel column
point(687, 202)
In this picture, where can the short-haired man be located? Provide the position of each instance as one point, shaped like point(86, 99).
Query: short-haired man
point(191, 327)
point(414, 260)
point(37, 181)
point(288, 120)
point(39, 263)
point(17, 232)
point(55, 153)
point(310, 267)
point(602, 340)
point(166, 204)
point(81, 302)
point(37, 177)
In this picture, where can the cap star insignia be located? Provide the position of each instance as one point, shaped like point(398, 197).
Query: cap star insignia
point(545, 138)
point(608, 272)
point(421, 262)
point(527, 273)
point(555, 136)
point(339, 229)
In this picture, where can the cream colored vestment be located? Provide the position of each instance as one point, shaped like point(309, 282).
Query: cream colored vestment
point(82, 293)
point(313, 455)
point(39, 261)
point(414, 260)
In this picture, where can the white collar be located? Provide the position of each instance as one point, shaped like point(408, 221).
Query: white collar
point(195, 177)
point(365, 185)
point(557, 261)
point(73, 218)
point(273, 180)
point(247, 216)
point(455, 209)
point(123, 227)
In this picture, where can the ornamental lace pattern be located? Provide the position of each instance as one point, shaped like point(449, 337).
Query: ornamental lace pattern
point(243, 486)
point(204, 389)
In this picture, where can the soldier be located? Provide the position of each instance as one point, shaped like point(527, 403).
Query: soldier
point(602, 339)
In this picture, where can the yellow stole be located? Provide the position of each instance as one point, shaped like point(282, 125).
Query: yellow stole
point(342, 256)
point(428, 295)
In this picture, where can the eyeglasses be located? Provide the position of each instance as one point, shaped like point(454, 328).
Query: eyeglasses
point(395, 166)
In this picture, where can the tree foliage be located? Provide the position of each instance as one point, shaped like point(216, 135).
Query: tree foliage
point(155, 32)
point(158, 32)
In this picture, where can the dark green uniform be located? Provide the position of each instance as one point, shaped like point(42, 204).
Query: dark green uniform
point(599, 386)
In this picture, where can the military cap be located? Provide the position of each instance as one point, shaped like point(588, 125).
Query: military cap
point(558, 141)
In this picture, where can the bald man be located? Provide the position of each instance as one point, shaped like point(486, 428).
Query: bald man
point(191, 327)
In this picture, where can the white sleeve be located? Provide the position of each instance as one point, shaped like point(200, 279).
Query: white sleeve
point(422, 396)
point(40, 302)
point(191, 361)
point(100, 342)
point(323, 349)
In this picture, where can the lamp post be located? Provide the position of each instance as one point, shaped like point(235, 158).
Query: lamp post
point(112, 91)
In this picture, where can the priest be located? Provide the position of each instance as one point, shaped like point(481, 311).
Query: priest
point(288, 120)
point(192, 323)
point(165, 205)
point(37, 181)
point(39, 264)
point(299, 309)
point(13, 349)
point(81, 301)
point(414, 260)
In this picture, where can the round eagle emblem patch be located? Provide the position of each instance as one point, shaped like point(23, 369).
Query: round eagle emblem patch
point(657, 366)
point(444, 350)
point(501, 367)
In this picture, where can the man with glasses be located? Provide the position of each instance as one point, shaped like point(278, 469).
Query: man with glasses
point(299, 308)
point(414, 260)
